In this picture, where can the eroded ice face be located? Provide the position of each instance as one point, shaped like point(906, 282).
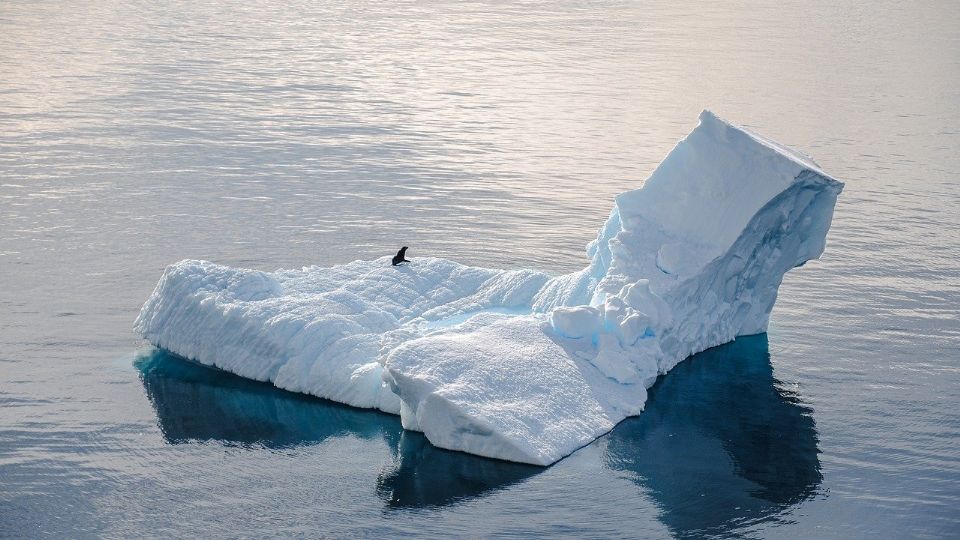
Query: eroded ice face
point(519, 365)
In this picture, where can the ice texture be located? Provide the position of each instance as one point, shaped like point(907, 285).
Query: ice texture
point(518, 365)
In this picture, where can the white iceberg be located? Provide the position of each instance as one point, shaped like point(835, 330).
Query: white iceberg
point(517, 365)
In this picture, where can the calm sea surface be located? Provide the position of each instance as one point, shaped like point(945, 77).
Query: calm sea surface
point(281, 134)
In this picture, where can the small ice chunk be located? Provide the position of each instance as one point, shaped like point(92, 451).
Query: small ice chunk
point(576, 322)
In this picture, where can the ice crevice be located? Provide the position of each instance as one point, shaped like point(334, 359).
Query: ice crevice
point(517, 364)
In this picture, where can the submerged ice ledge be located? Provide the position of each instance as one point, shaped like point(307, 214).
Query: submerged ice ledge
point(519, 365)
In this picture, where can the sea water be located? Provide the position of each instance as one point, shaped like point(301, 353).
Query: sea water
point(271, 135)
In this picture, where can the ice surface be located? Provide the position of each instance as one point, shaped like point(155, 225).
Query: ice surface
point(517, 365)
point(321, 331)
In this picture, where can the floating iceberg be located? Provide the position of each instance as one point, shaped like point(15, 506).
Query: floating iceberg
point(519, 365)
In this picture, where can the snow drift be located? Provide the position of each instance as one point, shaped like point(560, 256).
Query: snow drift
point(519, 365)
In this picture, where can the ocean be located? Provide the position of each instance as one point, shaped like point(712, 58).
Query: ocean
point(278, 135)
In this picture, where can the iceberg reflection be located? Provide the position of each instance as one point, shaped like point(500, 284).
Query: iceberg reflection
point(195, 402)
point(721, 443)
point(424, 475)
point(198, 403)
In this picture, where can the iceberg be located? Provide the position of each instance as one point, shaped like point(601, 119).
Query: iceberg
point(516, 364)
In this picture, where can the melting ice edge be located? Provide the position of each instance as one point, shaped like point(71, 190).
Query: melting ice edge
point(517, 364)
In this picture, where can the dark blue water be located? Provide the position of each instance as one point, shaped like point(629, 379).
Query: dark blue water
point(723, 444)
point(267, 135)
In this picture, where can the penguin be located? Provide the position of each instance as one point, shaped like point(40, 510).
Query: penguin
point(399, 257)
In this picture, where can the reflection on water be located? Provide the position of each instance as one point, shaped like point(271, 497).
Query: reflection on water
point(721, 443)
point(197, 403)
point(424, 475)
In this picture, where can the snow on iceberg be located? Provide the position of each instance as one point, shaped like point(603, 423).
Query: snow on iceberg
point(320, 331)
point(517, 365)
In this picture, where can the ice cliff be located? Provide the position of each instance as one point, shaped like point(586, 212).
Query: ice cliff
point(519, 365)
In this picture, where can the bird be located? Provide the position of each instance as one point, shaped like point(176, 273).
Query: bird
point(400, 256)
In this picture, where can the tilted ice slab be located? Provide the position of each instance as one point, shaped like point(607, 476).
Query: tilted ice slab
point(517, 365)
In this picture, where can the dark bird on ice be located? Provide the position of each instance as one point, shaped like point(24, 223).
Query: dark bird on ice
point(400, 256)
